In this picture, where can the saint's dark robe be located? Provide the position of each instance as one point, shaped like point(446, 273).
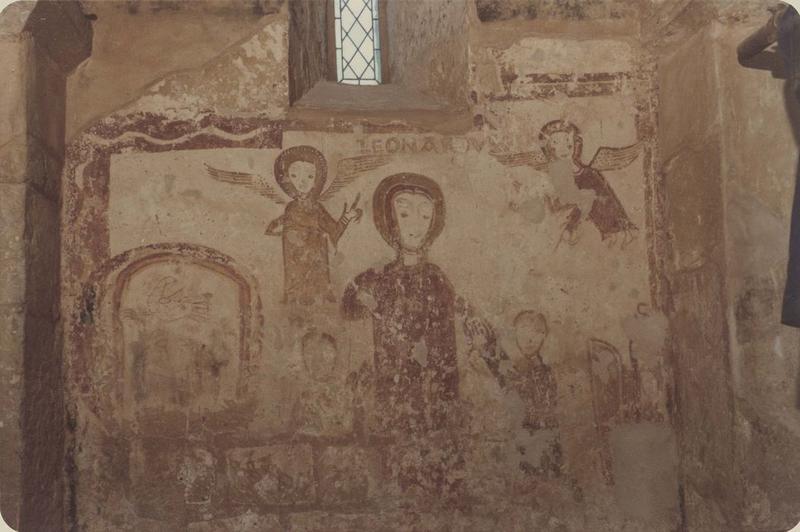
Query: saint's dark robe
point(415, 366)
point(307, 228)
point(536, 385)
point(607, 212)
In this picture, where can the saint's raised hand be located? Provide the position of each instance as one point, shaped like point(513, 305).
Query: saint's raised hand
point(352, 213)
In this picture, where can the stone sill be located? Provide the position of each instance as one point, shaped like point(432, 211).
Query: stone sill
point(379, 103)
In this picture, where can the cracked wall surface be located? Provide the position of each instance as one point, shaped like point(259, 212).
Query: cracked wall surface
point(527, 303)
point(325, 375)
point(729, 188)
point(41, 44)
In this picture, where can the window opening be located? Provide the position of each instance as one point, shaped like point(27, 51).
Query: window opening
point(358, 47)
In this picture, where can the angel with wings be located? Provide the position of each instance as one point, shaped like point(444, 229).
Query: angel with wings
point(587, 195)
point(306, 227)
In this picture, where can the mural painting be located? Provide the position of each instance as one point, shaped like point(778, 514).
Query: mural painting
point(182, 336)
point(580, 191)
point(411, 304)
point(484, 379)
point(306, 227)
point(324, 406)
point(535, 383)
point(173, 336)
point(522, 398)
point(534, 378)
point(437, 358)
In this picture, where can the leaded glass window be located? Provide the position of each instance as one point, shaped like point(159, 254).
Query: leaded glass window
point(358, 45)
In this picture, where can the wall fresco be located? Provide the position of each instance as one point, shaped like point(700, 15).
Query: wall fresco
point(447, 325)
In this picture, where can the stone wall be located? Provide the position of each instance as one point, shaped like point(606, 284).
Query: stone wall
point(690, 145)
point(152, 48)
point(729, 160)
point(14, 54)
point(759, 142)
point(428, 47)
point(308, 47)
point(41, 44)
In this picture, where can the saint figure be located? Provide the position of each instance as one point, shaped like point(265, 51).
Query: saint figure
point(412, 306)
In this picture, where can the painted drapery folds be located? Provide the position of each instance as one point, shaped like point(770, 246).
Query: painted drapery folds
point(412, 306)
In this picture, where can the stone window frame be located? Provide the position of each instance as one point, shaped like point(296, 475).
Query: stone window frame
point(315, 95)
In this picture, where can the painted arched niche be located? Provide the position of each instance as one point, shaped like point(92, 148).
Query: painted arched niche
point(181, 326)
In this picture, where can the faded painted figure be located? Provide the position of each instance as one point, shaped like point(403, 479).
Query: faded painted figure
point(535, 382)
point(412, 306)
point(180, 338)
point(324, 405)
point(306, 227)
point(581, 191)
point(533, 378)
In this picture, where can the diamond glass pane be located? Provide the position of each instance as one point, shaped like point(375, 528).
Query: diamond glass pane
point(357, 42)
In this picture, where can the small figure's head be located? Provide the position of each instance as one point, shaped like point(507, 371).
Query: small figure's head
point(531, 332)
point(408, 211)
point(561, 140)
point(301, 171)
point(320, 355)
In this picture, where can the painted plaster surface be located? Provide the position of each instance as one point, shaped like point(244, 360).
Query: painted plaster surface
point(524, 299)
point(141, 32)
point(241, 352)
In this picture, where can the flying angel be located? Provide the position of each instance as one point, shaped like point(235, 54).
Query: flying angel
point(561, 142)
point(306, 227)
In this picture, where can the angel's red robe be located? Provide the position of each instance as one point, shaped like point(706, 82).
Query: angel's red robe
point(607, 212)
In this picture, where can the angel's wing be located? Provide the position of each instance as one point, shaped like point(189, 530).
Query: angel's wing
point(535, 158)
point(615, 158)
point(251, 181)
point(350, 169)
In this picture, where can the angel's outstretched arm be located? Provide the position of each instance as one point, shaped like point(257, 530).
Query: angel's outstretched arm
point(335, 228)
point(332, 227)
